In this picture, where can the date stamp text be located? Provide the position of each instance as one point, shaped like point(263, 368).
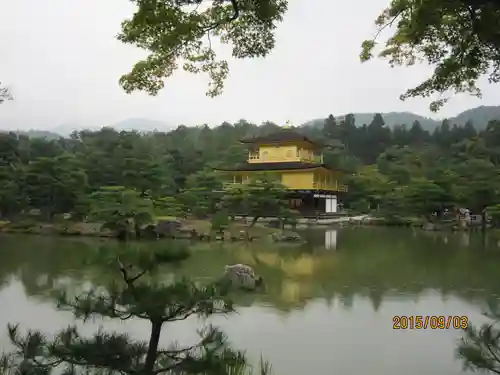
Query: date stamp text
point(412, 322)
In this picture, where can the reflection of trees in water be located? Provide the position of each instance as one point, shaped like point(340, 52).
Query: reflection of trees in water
point(43, 263)
point(369, 263)
point(378, 263)
point(375, 296)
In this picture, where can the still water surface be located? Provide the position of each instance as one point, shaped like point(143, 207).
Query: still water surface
point(328, 308)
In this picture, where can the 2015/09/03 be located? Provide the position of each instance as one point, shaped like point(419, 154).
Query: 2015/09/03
point(430, 322)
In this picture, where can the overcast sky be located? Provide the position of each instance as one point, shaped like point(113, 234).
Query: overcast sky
point(62, 62)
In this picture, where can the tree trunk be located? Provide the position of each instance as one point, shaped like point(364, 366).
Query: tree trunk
point(137, 230)
point(152, 347)
point(254, 220)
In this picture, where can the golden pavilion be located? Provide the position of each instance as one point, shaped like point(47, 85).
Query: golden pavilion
point(298, 162)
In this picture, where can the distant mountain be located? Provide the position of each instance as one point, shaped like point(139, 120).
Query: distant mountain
point(66, 129)
point(40, 134)
point(35, 133)
point(479, 116)
point(142, 125)
point(139, 124)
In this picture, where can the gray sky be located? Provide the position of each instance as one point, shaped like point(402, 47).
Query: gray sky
point(62, 62)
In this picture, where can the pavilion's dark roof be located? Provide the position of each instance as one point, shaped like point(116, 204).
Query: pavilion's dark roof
point(274, 166)
point(283, 135)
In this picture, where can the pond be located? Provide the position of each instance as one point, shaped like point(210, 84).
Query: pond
point(329, 305)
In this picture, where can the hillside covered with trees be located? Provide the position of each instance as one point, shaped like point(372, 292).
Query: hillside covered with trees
point(404, 169)
point(479, 117)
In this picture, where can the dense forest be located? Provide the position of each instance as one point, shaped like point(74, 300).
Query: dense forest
point(479, 116)
point(404, 169)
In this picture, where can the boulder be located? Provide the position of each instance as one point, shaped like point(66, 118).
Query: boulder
point(276, 224)
point(287, 236)
point(168, 228)
point(186, 234)
point(429, 226)
point(242, 276)
point(148, 232)
point(35, 212)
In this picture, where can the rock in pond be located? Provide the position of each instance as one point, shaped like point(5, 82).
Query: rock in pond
point(242, 276)
point(429, 226)
point(287, 236)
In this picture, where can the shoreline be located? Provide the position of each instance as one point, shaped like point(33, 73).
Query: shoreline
point(189, 229)
point(203, 232)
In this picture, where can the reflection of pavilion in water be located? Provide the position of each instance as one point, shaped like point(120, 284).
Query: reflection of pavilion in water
point(331, 239)
point(375, 268)
point(398, 270)
point(320, 239)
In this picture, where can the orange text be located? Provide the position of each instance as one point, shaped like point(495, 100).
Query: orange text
point(430, 322)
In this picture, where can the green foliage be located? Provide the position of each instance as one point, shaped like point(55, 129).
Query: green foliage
point(494, 212)
point(197, 200)
point(143, 173)
point(480, 346)
point(4, 94)
point(133, 293)
point(478, 183)
point(458, 37)
point(424, 197)
point(220, 221)
point(421, 174)
point(394, 203)
point(261, 196)
point(168, 206)
point(179, 33)
point(121, 209)
point(200, 197)
point(54, 184)
point(12, 198)
point(330, 128)
point(369, 186)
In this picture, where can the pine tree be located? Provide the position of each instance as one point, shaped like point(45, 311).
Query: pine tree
point(4, 94)
point(480, 347)
point(135, 295)
point(330, 129)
